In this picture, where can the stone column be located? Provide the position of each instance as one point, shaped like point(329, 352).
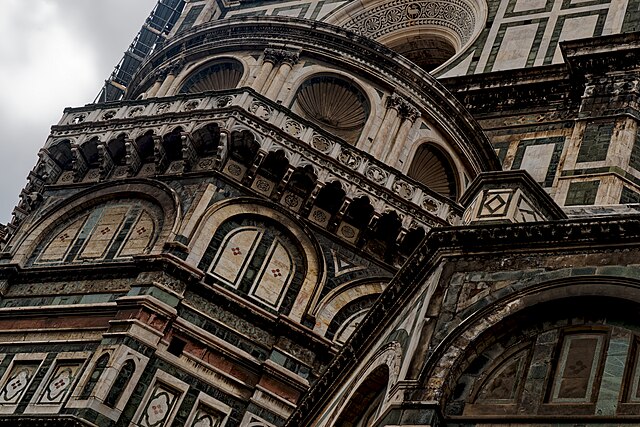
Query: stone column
point(270, 59)
point(153, 90)
point(409, 115)
point(172, 71)
point(288, 60)
point(389, 123)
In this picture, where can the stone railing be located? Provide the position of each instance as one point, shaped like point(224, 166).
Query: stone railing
point(274, 127)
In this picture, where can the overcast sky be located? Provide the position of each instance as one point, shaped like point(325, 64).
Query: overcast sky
point(53, 54)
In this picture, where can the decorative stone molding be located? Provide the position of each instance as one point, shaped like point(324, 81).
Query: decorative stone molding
point(583, 234)
point(408, 112)
point(457, 16)
point(278, 56)
point(275, 126)
point(396, 102)
point(508, 197)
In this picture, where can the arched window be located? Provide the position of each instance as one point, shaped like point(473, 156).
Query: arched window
point(110, 231)
point(117, 150)
point(243, 147)
point(144, 146)
point(431, 167)
point(99, 367)
point(385, 233)
point(217, 76)
point(365, 403)
point(256, 257)
point(121, 383)
point(327, 203)
point(335, 104)
point(89, 151)
point(206, 139)
point(554, 358)
point(349, 317)
point(61, 153)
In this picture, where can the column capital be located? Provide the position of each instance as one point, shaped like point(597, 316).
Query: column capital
point(402, 106)
point(394, 101)
point(408, 112)
point(277, 56)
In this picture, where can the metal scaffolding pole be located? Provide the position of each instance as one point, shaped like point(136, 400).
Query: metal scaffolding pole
point(154, 31)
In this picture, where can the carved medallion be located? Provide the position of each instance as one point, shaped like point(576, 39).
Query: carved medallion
point(349, 158)
point(403, 189)
point(260, 109)
point(376, 174)
point(321, 144)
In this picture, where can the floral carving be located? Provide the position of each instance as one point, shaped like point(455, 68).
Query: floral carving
point(109, 114)
point(349, 158)
point(430, 204)
point(403, 189)
point(455, 15)
point(293, 128)
point(260, 109)
point(163, 108)
point(321, 144)
point(376, 174)
point(191, 105)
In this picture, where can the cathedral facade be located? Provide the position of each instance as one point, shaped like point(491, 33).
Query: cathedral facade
point(338, 213)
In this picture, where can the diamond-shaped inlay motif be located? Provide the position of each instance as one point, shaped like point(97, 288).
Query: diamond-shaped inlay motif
point(495, 203)
point(276, 272)
point(236, 251)
point(105, 230)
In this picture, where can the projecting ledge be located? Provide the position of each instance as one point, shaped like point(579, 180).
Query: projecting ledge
point(507, 197)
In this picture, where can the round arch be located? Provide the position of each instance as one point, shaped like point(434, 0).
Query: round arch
point(326, 309)
point(223, 72)
point(159, 194)
point(387, 359)
point(334, 101)
point(449, 354)
point(199, 235)
point(432, 164)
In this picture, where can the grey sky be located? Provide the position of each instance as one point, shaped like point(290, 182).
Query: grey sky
point(55, 54)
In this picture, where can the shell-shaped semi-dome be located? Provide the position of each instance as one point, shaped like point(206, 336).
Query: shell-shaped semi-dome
point(217, 76)
point(330, 99)
point(336, 104)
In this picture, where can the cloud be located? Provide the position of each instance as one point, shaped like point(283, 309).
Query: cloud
point(56, 53)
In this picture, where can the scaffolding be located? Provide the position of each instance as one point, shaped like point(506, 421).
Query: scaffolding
point(153, 33)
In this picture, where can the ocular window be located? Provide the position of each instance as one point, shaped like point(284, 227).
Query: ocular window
point(335, 104)
point(217, 76)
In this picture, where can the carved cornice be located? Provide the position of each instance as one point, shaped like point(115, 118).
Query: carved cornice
point(402, 193)
point(456, 15)
point(599, 55)
point(403, 107)
point(349, 52)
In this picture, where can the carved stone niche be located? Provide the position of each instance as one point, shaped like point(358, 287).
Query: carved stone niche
point(507, 197)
